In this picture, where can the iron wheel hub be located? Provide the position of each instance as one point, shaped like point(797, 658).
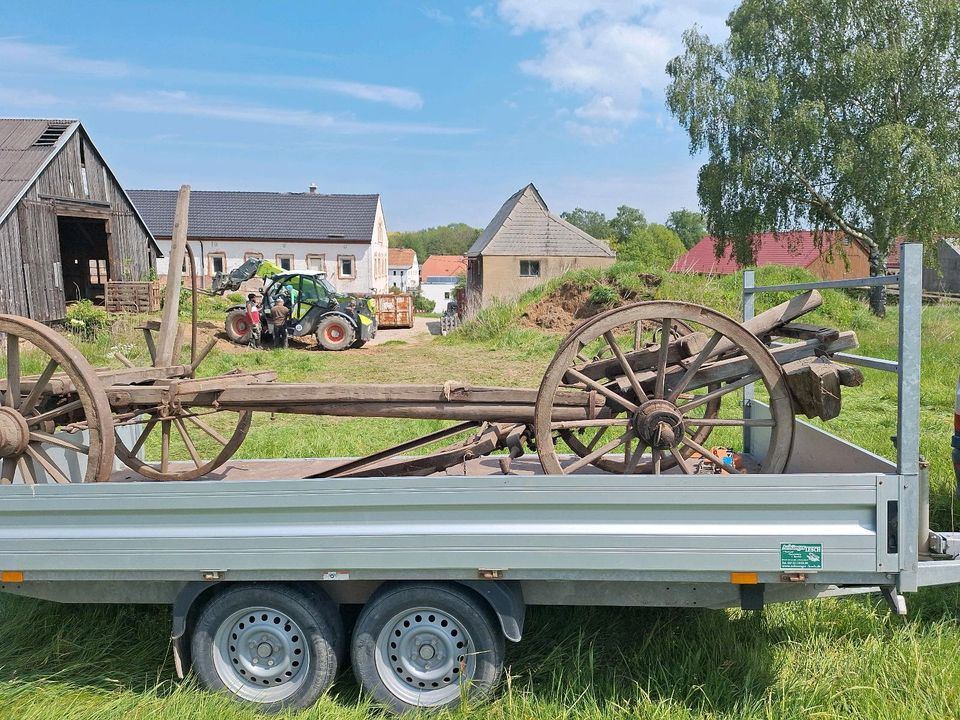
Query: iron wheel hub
point(659, 424)
point(14, 432)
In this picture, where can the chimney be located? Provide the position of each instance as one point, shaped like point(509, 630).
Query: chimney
point(312, 188)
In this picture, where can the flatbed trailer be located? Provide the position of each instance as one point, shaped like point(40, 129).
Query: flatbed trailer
point(444, 565)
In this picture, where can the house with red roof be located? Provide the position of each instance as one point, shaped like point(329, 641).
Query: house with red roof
point(835, 258)
point(439, 276)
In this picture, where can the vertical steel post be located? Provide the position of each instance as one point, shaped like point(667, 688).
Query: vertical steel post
point(908, 411)
point(749, 310)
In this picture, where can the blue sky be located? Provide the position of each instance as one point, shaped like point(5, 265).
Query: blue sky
point(445, 108)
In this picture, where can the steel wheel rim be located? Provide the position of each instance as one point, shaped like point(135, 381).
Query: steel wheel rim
point(767, 371)
point(422, 656)
point(248, 641)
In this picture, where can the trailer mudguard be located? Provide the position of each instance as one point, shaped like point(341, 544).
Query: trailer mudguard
point(506, 600)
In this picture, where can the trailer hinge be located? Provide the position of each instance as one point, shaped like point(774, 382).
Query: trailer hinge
point(212, 575)
point(489, 574)
point(794, 577)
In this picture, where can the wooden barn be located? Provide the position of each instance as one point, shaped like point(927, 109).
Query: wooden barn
point(66, 224)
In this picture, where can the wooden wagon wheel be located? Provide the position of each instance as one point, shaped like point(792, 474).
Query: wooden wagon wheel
point(33, 407)
point(637, 335)
point(651, 404)
point(207, 447)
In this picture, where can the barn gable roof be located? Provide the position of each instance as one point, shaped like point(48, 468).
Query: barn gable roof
point(524, 225)
point(27, 147)
point(263, 215)
point(798, 248)
point(401, 257)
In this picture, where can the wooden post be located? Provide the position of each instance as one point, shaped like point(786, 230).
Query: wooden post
point(171, 299)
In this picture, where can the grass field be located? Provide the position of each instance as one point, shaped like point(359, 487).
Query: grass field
point(824, 659)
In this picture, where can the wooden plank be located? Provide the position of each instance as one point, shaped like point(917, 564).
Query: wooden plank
point(171, 306)
point(815, 387)
point(805, 331)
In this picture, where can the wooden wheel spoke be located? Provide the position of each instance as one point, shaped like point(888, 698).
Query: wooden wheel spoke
point(25, 465)
point(707, 455)
point(207, 429)
point(631, 465)
point(12, 397)
point(662, 356)
point(730, 422)
point(185, 436)
point(30, 401)
point(8, 470)
point(147, 429)
point(69, 407)
point(48, 439)
point(603, 390)
point(694, 366)
point(40, 455)
point(599, 452)
point(625, 364)
point(719, 392)
point(681, 461)
point(657, 461)
point(164, 445)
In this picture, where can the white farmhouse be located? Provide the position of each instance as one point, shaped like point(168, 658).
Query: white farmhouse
point(404, 269)
point(344, 235)
point(439, 277)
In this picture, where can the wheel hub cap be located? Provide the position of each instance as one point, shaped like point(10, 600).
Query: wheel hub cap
point(659, 424)
point(14, 433)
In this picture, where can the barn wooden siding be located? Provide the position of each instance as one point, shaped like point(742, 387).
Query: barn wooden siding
point(32, 276)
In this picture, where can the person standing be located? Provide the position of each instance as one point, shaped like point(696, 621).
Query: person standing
point(253, 319)
point(278, 317)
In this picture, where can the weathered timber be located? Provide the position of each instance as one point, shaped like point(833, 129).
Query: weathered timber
point(815, 387)
point(775, 317)
point(171, 306)
point(61, 384)
point(202, 391)
point(804, 331)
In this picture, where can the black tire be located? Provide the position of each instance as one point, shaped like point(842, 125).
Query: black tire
point(302, 632)
point(358, 344)
point(395, 628)
point(335, 333)
point(237, 327)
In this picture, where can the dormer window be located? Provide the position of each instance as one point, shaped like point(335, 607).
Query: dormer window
point(50, 136)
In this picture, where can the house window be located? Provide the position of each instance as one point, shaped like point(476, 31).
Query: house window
point(345, 267)
point(529, 268)
point(446, 296)
point(252, 256)
point(316, 262)
point(217, 263)
point(285, 261)
point(98, 272)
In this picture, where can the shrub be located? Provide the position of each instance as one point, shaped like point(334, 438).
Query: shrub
point(236, 298)
point(423, 304)
point(85, 318)
point(603, 295)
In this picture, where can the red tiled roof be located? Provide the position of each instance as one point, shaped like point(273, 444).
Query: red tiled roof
point(797, 248)
point(401, 257)
point(443, 266)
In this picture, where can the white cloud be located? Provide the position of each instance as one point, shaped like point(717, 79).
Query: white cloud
point(612, 52)
point(20, 98)
point(183, 103)
point(436, 15)
point(593, 134)
point(23, 57)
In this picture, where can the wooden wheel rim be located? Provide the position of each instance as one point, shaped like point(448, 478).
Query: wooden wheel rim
point(90, 394)
point(154, 470)
point(768, 370)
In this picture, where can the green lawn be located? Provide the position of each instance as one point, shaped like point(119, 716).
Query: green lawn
point(824, 659)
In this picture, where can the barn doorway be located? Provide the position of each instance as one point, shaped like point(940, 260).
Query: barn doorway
point(85, 257)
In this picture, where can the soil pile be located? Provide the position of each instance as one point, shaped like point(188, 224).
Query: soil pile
point(571, 303)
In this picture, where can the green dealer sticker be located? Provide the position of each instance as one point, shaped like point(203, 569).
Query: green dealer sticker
point(801, 556)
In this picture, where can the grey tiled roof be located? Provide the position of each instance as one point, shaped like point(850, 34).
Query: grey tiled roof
point(525, 226)
point(262, 215)
point(20, 159)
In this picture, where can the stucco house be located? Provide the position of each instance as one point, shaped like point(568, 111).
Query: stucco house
point(439, 277)
point(404, 269)
point(344, 235)
point(835, 258)
point(525, 245)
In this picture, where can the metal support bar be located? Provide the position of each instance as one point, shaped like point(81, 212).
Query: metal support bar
point(749, 310)
point(829, 284)
point(868, 362)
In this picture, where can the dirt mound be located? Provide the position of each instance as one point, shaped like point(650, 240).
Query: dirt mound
point(570, 304)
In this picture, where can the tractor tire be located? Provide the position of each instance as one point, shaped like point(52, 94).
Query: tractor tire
point(335, 333)
point(238, 327)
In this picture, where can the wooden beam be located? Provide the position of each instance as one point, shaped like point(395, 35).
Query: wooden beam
point(171, 298)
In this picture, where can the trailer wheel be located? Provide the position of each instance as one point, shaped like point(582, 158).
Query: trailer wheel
point(237, 327)
point(423, 645)
point(335, 333)
point(276, 646)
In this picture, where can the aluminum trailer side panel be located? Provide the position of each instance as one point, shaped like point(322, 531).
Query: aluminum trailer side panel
point(530, 527)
